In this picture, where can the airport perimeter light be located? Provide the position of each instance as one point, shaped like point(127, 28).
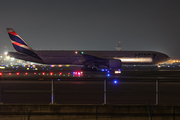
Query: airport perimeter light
point(5, 53)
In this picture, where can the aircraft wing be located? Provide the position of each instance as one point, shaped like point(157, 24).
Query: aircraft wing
point(94, 61)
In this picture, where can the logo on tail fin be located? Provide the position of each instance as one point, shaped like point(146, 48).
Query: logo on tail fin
point(20, 45)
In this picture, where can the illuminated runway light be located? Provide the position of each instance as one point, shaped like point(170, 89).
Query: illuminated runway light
point(2, 67)
point(51, 73)
point(7, 57)
point(117, 72)
point(102, 70)
point(5, 53)
point(77, 73)
point(26, 73)
point(35, 73)
point(159, 66)
point(58, 79)
point(60, 73)
point(9, 73)
point(43, 73)
point(17, 73)
point(12, 59)
point(67, 65)
point(0, 73)
point(115, 81)
point(108, 75)
point(52, 65)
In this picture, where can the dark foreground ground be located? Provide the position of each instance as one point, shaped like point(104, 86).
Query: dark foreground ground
point(131, 95)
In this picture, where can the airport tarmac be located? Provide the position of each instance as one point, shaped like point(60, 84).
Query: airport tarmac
point(88, 92)
point(131, 87)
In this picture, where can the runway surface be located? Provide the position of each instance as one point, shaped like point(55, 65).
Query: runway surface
point(88, 92)
point(131, 87)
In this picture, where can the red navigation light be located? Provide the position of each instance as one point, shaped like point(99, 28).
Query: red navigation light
point(17, 73)
point(0, 73)
point(51, 73)
point(43, 73)
point(35, 73)
point(26, 73)
point(9, 73)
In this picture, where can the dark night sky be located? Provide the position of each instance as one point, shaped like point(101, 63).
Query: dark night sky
point(94, 24)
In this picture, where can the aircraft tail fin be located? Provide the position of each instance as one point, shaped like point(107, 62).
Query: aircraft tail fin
point(20, 45)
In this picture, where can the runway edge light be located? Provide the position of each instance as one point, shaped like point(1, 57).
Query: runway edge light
point(115, 81)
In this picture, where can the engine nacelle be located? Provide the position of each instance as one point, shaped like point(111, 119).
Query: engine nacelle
point(115, 64)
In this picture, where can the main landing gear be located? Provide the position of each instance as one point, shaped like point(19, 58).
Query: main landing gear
point(86, 68)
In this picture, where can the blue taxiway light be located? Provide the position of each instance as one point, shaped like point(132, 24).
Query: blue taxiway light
point(115, 81)
point(108, 75)
point(102, 70)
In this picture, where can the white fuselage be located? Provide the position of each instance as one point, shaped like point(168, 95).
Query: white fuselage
point(77, 57)
point(127, 57)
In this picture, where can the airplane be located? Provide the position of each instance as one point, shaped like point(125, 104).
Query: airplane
point(89, 59)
